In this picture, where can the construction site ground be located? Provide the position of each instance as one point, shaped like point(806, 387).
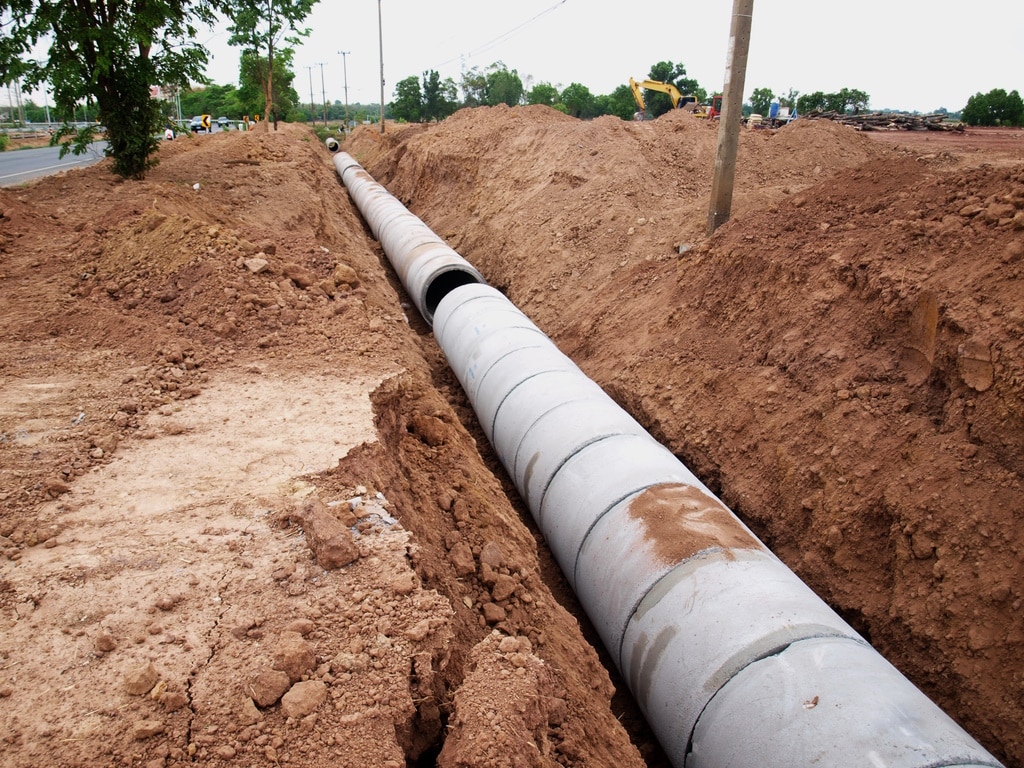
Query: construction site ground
point(247, 516)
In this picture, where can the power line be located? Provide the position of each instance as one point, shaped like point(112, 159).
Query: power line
point(502, 37)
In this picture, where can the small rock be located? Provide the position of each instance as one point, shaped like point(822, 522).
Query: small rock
point(493, 613)
point(503, 588)
point(105, 643)
point(491, 555)
point(405, 584)
point(268, 686)
point(300, 626)
point(922, 546)
point(462, 559)
point(330, 539)
point(256, 265)
point(144, 729)
point(248, 714)
point(140, 681)
point(166, 603)
point(302, 277)
point(172, 702)
point(303, 698)
point(344, 275)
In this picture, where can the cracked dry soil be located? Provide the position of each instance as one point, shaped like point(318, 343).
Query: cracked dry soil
point(247, 516)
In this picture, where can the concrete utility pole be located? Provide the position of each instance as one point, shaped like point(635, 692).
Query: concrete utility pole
point(344, 66)
point(732, 114)
point(323, 91)
point(380, 34)
point(312, 107)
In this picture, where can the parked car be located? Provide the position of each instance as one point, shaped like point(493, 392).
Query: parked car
point(196, 124)
point(223, 122)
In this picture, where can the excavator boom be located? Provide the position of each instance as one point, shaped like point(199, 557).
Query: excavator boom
point(678, 100)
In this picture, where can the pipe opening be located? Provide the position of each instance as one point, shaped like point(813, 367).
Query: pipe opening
point(444, 284)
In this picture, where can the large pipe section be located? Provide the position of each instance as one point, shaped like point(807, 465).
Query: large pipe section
point(734, 661)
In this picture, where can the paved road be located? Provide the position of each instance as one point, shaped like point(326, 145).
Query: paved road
point(18, 166)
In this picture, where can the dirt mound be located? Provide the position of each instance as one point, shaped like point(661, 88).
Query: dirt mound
point(248, 515)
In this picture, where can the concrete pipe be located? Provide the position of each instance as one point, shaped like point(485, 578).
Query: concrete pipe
point(427, 266)
point(332, 144)
point(733, 660)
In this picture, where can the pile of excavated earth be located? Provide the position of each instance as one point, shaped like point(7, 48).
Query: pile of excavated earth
point(247, 516)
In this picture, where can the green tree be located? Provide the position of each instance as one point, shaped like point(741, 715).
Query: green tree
point(474, 87)
point(620, 103)
point(997, 107)
point(102, 51)
point(503, 86)
point(215, 100)
point(810, 102)
point(543, 93)
point(253, 77)
point(260, 27)
point(790, 99)
point(841, 101)
point(578, 100)
point(667, 72)
point(409, 101)
point(761, 100)
point(439, 96)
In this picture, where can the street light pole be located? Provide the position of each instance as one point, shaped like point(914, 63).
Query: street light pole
point(380, 34)
point(312, 107)
point(344, 66)
point(323, 91)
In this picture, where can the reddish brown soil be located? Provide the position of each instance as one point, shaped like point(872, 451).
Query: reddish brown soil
point(221, 484)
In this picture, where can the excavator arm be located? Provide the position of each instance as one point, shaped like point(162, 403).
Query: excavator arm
point(677, 98)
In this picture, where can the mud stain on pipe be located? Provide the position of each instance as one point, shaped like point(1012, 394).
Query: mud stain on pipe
point(681, 520)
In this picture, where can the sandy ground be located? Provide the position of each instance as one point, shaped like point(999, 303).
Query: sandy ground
point(247, 516)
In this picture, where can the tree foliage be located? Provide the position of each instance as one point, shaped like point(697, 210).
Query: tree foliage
point(409, 102)
point(579, 101)
point(674, 74)
point(543, 93)
point(434, 99)
point(997, 107)
point(761, 100)
point(264, 28)
point(503, 86)
point(439, 96)
point(845, 100)
point(252, 77)
point(474, 87)
point(102, 52)
point(620, 103)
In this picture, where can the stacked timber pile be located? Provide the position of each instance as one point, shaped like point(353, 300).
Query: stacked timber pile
point(890, 121)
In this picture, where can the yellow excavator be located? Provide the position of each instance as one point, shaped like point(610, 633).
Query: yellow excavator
point(678, 100)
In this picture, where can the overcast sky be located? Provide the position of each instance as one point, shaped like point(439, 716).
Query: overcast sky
point(906, 54)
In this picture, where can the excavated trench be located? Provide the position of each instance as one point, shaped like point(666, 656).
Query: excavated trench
point(708, 626)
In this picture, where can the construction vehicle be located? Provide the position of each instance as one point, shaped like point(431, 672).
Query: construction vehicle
point(711, 110)
point(678, 99)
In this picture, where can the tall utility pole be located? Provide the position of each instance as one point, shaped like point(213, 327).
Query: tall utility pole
point(732, 113)
point(312, 107)
point(380, 34)
point(323, 91)
point(344, 66)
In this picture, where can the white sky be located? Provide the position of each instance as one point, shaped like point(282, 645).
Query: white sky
point(906, 54)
